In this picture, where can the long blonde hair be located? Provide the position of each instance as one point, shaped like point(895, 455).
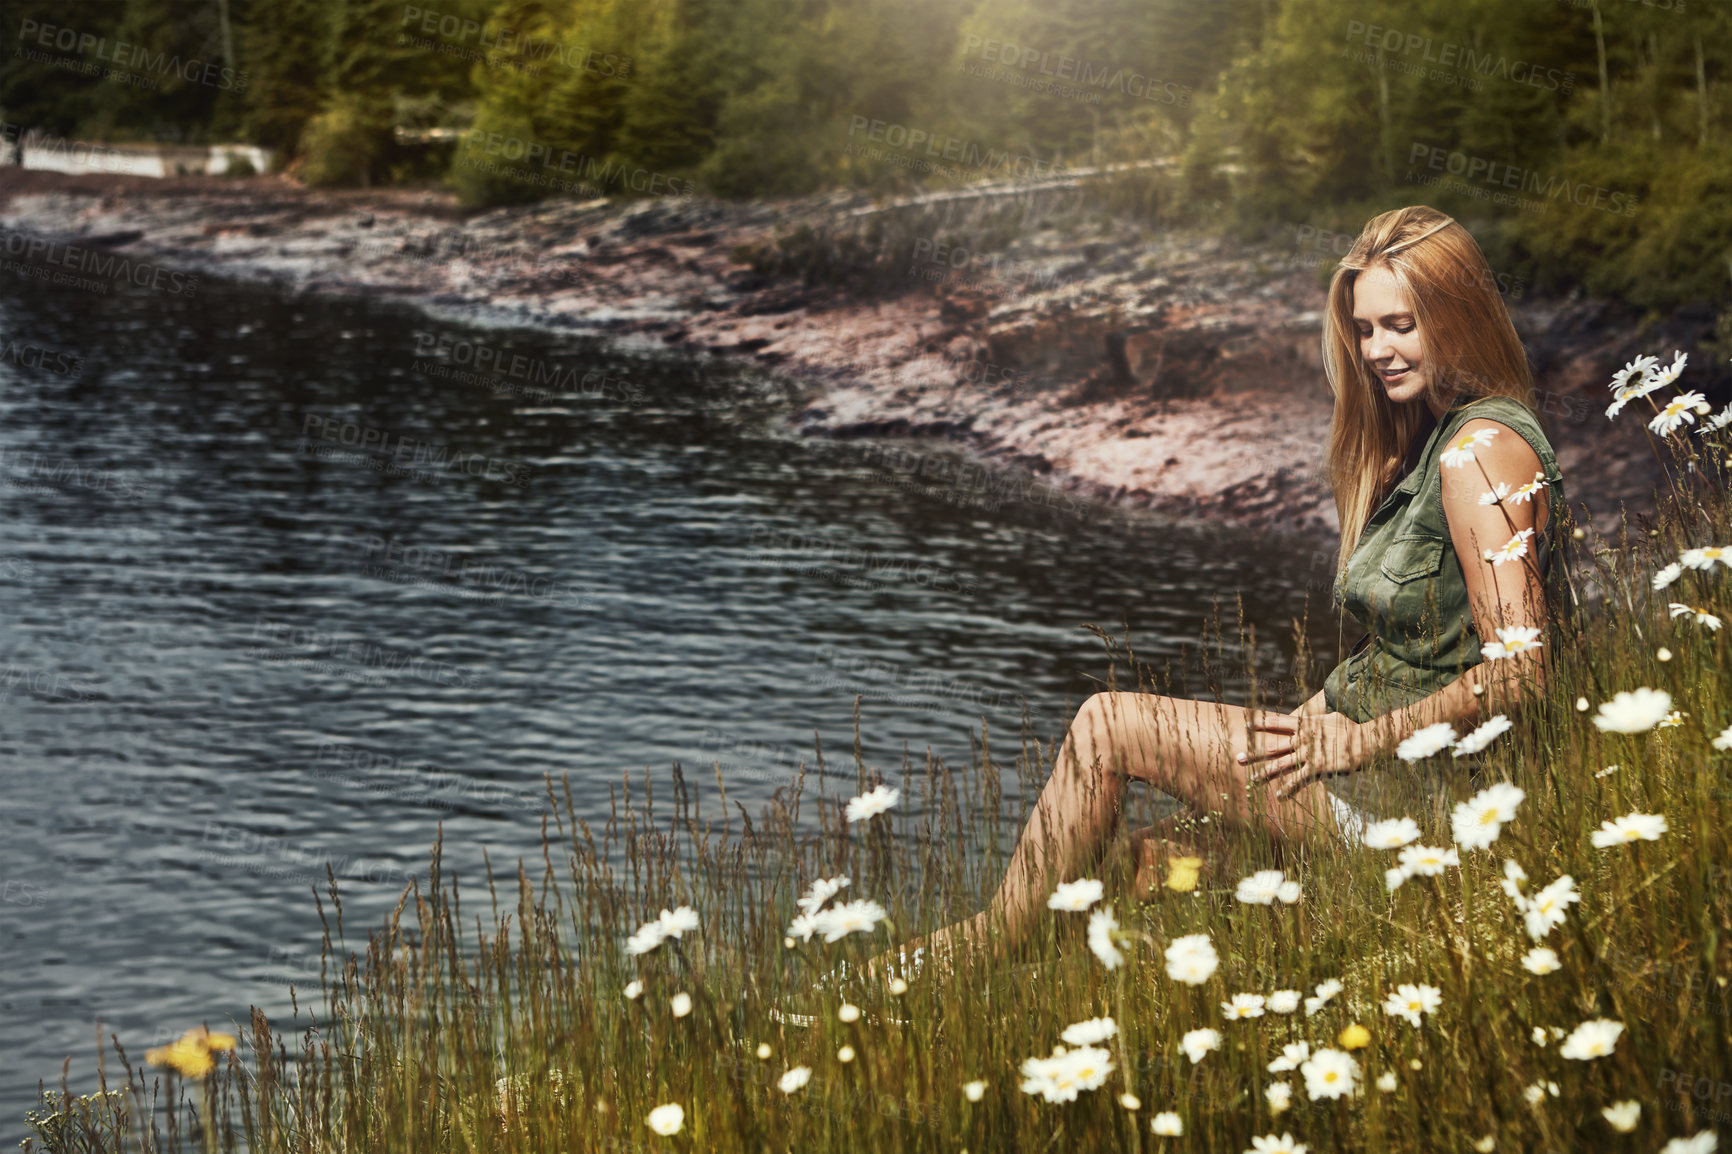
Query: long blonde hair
point(1469, 344)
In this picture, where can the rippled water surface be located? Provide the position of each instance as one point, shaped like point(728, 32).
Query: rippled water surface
point(233, 655)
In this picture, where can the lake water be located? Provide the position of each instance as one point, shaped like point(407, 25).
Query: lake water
point(283, 583)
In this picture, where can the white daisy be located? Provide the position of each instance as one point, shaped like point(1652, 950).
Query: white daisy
point(1667, 575)
point(1630, 827)
point(1260, 888)
point(1482, 736)
point(1706, 557)
point(1391, 834)
point(1497, 493)
point(1701, 1142)
point(1658, 378)
point(1638, 369)
point(1269, 1144)
point(1167, 1124)
point(1633, 711)
point(677, 922)
point(795, 1078)
point(1460, 451)
point(1060, 1077)
point(1289, 892)
point(1427, 861)
point(1101, 928)
point(1330, 1074)
point(1512, 550)
point(1703, 617)
point(821, 891)
point(857, 917)
point(1130, 1101)
point(1242, 1006)
point(1545, 910)
point(1525, 491)
point(1592, 1039)
point(1622, 1115)
point(848, 1012)
point(1540, 960)
point(1292, 1054)
point(1388, 1082)
point(1606, 772)
point(1197, 1043)
point(633, 990)
point(1325, 991)
point(680, 1004)
point(1076, 896)
point(973, 1091)
point(1089, 1032)
point(1477, 821)
point(873, 802)
point(1279, 1096)
point(667, 1120)
point(1409, 1002)
point(1283, 1001)
point(1511, 641)
point(1422, 743)
point(1624, 396)
point(648, 937)
point(1723, 740)
point(1192, 959)
point(1680, 410)
point(1715, 423)
point(804, 926)
point(1536, 1093)
point(1675, 718)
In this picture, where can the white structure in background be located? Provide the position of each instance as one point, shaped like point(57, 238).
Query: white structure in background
point(60, 154)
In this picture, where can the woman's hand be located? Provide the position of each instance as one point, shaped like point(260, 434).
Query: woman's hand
point(1315, 746)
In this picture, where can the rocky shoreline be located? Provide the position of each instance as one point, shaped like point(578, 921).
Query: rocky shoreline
point(1176, 371)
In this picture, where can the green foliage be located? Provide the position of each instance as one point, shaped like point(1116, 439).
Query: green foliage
point(346, 143)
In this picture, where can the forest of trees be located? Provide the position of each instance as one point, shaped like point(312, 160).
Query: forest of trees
point(1589, 140)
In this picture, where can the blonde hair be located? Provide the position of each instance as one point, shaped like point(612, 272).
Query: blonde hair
point(1469, 344)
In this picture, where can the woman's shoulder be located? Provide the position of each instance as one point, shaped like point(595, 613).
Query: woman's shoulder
point(1512, 414)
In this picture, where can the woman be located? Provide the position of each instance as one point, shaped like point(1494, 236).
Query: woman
point(1436, 458)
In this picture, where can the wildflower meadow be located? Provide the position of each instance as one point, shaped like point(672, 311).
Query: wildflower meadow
point(1528, 949)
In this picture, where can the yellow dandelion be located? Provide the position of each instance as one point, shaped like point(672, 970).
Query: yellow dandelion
point(1354, 1037)
point(190, 1054)
point(1182, 873)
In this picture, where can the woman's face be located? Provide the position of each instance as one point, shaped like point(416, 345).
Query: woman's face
point(1389, 337)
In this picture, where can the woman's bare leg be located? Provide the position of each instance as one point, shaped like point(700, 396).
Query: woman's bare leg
point(1186, 748)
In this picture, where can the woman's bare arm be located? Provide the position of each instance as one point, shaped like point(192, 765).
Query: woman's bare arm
point(1311, 708)
point(1501, 595)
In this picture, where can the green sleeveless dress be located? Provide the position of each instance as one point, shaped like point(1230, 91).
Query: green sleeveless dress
point(1403, 582)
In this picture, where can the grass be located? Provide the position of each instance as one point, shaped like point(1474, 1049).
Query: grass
point(502, 1025)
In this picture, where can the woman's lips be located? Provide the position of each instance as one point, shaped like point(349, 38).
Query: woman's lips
point(1394, 375)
